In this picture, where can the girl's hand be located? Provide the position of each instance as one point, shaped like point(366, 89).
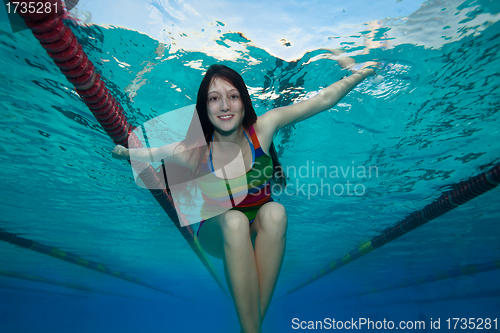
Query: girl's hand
point(369, 64)
point(349, 63)
point(120, 153)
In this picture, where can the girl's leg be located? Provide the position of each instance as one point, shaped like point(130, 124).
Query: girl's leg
point(269, 231)
point(227, 236)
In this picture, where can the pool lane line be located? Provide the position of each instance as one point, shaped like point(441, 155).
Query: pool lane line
point(75, 259)
point(34, 278)
point(62, 46)
point(8, 287)
point(464, 270)
point(461, 193)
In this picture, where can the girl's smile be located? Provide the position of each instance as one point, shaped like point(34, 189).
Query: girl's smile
point(224, 105)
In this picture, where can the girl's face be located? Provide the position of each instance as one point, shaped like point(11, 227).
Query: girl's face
point(224, 105)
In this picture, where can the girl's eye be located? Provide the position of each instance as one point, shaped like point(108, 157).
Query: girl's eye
point(235, 96)
point(212, 99)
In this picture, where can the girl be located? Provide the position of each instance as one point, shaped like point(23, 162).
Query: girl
point(250, 237)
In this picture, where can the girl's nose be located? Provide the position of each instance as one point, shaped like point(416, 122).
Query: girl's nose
point(225, 104)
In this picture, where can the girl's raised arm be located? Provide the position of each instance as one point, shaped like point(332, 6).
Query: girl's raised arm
point(324, 100)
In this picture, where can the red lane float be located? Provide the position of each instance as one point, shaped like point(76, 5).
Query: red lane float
point(63, 47)
point(46, 24)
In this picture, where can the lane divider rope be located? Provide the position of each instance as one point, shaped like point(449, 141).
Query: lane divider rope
point(39, 279)
point(464, 270)
point(74, 259)
point(461, 193)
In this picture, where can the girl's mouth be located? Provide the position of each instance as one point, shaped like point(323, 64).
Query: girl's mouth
point(226, 117)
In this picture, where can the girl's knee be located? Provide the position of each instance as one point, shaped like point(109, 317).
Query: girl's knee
point(274, 217)
point(278, 212)
point(234, 223)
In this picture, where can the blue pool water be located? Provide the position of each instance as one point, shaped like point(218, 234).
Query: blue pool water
point(431, 122)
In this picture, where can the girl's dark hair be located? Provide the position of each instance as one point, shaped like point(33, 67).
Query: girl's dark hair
point(250, 117)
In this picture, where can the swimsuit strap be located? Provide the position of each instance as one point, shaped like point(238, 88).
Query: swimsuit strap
point(254, 137)
point(211, 165)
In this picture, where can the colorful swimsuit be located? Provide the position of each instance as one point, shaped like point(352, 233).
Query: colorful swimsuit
point(255, 184)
